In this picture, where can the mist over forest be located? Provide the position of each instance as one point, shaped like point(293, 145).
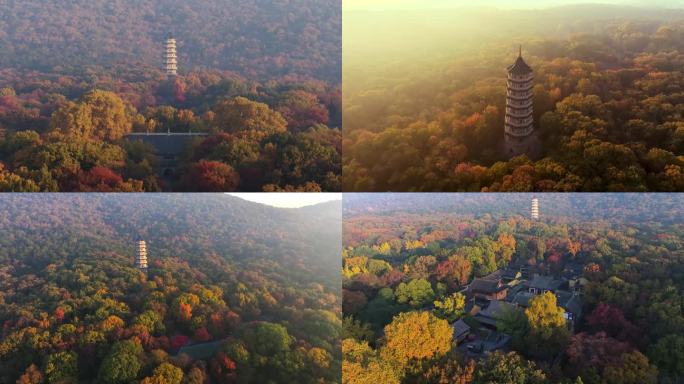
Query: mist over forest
point(424, 98)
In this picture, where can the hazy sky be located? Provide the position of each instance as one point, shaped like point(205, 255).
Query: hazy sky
point(288, 200)
point(425, 4)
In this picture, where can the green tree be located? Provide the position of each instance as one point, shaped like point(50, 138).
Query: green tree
point(509, 368)
point(668, 355)
point(514, 323)
point(631, 368)
point(122, 363)
point(61, 368)
point(416, 292)
point(267, 339)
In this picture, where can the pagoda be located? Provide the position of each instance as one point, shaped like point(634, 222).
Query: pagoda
point(519, 136)
point(170, 66)
point(535, 209)
point(141, 256)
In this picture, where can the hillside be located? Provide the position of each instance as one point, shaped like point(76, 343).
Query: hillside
point(257, 39)
point(223, 274)
point(664, 208)
point(426, 111)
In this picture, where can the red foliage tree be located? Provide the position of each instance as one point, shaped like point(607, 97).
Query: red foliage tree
point(100, 179)
point(612, 321)
point(392, 278)
point(353, 301)
point(59, 314)
point(302, 110)
point(210, 176)
point(454, 271)
point(179, 89)
point(179, 341)
point(202, 335)
point(223, 369)
point(594, 351)
point(212, 142)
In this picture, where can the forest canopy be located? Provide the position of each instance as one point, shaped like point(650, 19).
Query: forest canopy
point(443, 288)
point(235, 292)
point(258, 85)
point(425, 112)
point(264, 39)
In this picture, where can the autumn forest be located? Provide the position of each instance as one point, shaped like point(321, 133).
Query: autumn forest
point(463, 288)
point(258, 81)
point(426, 112)
point(234, 292)
point(342, 192)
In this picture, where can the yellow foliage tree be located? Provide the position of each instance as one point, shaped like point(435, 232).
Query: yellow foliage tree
point(99, 115)
point(544, 314)
point(355, 265)
point(413, 244)
point(110, 323)
point(361, 365)
point(548, 330)
point(247, 118)
point(416, 336)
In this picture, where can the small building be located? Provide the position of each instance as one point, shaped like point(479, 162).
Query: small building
point(168, 147)
point(511, 276)
point(542, 284)
point(486, 289)
point(522, 299)
point(489, 315)
point(571, 302)
point(461, 331)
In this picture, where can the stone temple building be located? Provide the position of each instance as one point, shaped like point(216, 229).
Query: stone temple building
point(520, 137)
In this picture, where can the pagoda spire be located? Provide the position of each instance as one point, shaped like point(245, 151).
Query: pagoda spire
point(520, 51)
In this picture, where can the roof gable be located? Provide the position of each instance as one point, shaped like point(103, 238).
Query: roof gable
point(520, 67)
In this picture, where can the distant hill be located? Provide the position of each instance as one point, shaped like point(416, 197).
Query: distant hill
point(257, 39)
point(663, 208)
point(189, 226)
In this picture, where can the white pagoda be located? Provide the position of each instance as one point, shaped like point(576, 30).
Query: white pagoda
point(141, 255)
point(170, 59)
point(535, 209)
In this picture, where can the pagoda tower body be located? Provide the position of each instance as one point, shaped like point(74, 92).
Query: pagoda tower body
point(170, 58)
point(535, 209)
point(141, 255)
point(520, 137)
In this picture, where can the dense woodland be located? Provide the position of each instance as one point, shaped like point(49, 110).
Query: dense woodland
point(608, 100)
point(261, 78)
point(404, 270)
point(263, 39)
point(236, 292)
